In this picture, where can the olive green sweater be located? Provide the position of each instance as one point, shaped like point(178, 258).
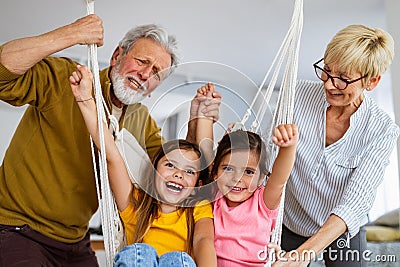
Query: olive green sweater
point(47, 178)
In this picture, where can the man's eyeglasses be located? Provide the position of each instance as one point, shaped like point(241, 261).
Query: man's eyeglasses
point(338, 82)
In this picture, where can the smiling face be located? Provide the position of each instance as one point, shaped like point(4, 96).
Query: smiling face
point(238, 176)
point(342, 98)
point(140, 71)
point(177, 175)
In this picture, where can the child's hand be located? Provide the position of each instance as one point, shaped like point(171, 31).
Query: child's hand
point(210, 101)
point(205, 89)
point(81, 83)
point(285, 135)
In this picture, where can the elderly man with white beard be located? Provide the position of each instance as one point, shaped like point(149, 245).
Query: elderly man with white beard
point(47, 184)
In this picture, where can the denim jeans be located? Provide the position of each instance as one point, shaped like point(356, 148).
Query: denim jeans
point(140, 254)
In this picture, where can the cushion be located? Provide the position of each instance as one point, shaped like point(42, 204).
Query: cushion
point(391, 218)
point(378, 233)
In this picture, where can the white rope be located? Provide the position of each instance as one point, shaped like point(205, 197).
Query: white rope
point(288, 53)
point(289, 50)
point(108, 209)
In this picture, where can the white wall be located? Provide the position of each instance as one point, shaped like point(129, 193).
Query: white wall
point(392, 14)
point(9, 119)
point(388, 196)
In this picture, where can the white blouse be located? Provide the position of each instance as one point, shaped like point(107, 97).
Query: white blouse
point(342, 178)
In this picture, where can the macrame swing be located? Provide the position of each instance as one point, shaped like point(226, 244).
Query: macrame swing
point(288, 54)
point(131, 151)
point(112, 227)
point(136, 161)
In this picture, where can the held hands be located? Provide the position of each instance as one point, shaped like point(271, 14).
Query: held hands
point(81, 83)
point(206, 103)
point(285, 135)
point(204, 91)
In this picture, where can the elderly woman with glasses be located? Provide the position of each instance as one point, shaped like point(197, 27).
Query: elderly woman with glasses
point(344, 147)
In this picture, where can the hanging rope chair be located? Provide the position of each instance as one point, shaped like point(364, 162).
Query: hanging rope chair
point(287, 56)
point(110, 221)
point(131, 151)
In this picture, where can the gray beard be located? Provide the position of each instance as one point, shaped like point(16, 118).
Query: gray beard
point(124, 93)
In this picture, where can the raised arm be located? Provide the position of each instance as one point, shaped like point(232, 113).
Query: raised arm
point(285, 136)
point(81, 85)
point(209, 109)
point(204, 129)
point(21, 54)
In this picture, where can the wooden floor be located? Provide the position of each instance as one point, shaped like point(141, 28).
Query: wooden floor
point(97, 244)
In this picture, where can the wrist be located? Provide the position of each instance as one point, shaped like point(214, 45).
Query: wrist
point(205, 117)
point(81, 99)
point(306, 254)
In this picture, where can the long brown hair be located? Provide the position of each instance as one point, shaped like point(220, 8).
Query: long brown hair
point(147, 202)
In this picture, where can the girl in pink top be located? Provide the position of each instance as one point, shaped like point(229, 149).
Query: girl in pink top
point(245, 209)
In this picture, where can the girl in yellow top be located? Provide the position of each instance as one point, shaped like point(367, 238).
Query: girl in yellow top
point(165, 221)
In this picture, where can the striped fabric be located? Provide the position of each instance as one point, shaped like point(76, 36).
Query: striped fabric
point(342, 178)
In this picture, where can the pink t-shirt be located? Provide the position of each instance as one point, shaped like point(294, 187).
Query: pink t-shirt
point(243, 232)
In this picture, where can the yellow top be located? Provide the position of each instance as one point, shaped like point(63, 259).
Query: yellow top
point(168, 232)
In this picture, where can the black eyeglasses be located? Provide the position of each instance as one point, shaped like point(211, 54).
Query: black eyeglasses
point(338, 82)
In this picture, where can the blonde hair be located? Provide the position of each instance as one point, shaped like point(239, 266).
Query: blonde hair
point(358, 48)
